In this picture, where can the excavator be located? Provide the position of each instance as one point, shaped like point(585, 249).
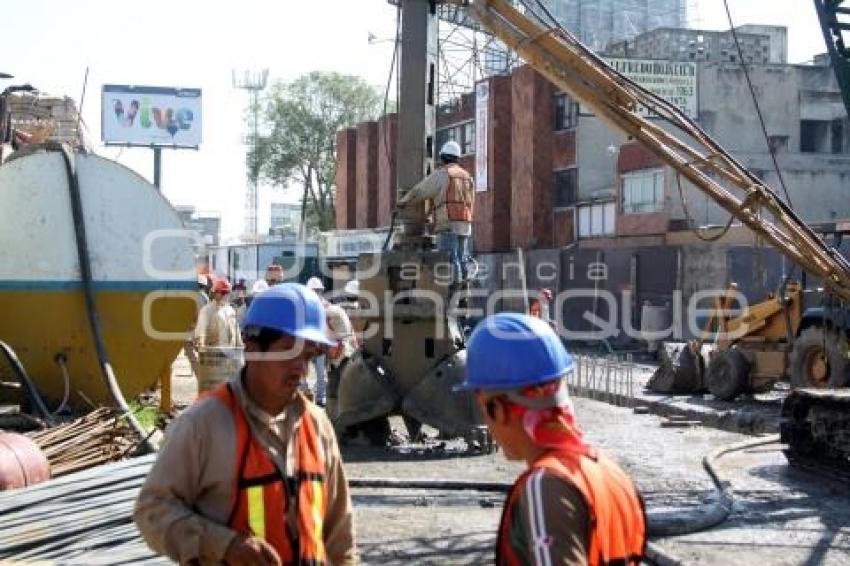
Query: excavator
point(817, 417)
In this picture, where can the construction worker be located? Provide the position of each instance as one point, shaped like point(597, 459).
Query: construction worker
point(320, 370)
point(240, 304)
point(572, 505)
point(217, 324)
point(540, 306)
point(451, 190)
point(341, 330)
point(251, 473)
point(274, 276)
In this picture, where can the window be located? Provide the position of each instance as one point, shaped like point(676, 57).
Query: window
point(464, 134)
point(564, 185)
point(566, 112)
point(813, 136)
point(468, 143)
point(643, 191)
point(596, 220)
point(444, 135)
point(837, 136)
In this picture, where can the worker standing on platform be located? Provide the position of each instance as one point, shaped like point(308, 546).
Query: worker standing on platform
point(572, 505)
point(452, 192)
point(252, 474)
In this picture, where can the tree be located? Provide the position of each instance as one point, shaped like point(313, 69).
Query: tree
point(298, 129)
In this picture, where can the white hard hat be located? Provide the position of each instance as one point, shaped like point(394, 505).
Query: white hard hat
point(450, 148)
point(352, 288)
point(315, 284)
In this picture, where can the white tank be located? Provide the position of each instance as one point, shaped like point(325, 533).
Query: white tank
point(142, 270)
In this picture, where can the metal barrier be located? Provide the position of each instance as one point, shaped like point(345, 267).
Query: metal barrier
point(609, 378)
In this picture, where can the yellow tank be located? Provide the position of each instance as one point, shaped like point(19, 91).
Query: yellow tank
point(142, 267)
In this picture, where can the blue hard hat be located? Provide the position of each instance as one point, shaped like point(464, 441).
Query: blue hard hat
point(290, 308)
point(511, 351)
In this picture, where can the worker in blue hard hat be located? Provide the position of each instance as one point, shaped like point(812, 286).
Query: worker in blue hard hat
point(572, 505)
point(252, 474)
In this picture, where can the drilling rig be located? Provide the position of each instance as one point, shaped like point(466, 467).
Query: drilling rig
point(413, 350)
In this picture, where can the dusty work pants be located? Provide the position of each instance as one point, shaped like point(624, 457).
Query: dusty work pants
point(455, 246)
point(319, 364)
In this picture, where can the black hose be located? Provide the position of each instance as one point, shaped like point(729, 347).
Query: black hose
point(27, 383)
point(658, 524)
point(91, 307)
point(417, 483)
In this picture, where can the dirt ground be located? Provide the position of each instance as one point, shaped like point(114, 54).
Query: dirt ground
point(781, 516)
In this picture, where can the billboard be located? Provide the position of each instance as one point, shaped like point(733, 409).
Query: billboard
point(674, 81)
point(151, 116)
point(482, 98)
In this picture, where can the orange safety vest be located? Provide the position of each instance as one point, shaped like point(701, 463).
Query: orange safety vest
point(262, 493)
point(458, 199)
point(617, 517)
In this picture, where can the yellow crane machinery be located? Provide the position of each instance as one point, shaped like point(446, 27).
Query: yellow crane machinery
point(747, 353)
point(817, 422)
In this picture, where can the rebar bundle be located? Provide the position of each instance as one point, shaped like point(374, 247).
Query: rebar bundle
point(96, 438)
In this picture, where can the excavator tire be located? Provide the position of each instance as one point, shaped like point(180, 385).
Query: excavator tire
point(728, 375)
point(818, 359)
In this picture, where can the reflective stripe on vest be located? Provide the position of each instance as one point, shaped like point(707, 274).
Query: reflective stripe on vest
point(618, 521)
point(458, 199)
point(262, 494)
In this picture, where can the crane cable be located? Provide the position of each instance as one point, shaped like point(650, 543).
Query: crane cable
point(756, 103)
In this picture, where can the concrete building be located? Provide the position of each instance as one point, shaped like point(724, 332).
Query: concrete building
point(207, 224)
point(759, 44)
point(599, 22)
point(284, 219)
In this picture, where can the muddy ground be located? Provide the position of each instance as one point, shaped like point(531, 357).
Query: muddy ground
point(781, 516)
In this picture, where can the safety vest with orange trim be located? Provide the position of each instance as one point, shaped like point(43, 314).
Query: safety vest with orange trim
point(618, 522)
point(263, 493)
point(458, 199)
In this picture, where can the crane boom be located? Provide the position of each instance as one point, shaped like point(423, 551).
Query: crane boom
point(561, 58)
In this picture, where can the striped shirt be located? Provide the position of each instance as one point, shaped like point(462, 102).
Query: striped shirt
point(550, 523)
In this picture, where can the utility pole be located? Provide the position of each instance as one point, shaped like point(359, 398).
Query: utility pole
point(417, 109)
point(252, 82)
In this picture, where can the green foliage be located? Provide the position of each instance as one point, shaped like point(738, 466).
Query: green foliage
point(147, 415)
point(298, 134)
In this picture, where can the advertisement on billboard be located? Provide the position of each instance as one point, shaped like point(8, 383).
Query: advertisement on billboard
point(482, 97)
point(151, 116)
point(674, 81)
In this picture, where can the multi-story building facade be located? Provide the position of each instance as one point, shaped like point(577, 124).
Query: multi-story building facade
point(284, 219)
point(760, 45)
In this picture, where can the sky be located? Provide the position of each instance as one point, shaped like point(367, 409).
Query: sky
point(198, 44)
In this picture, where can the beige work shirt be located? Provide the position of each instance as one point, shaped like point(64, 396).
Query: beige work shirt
point(218, 326)
point(434, 187)
point(185, 502)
